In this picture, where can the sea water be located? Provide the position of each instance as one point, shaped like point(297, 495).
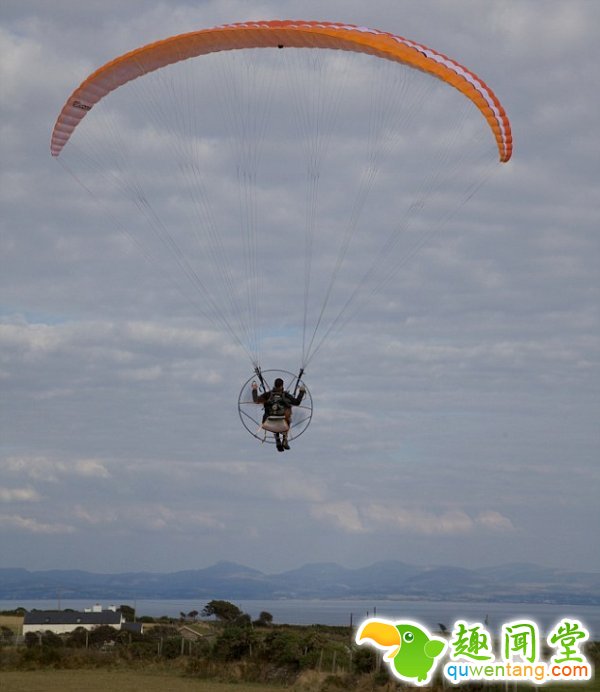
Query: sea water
point(346, 611)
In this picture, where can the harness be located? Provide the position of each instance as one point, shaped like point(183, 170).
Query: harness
point(276, 404)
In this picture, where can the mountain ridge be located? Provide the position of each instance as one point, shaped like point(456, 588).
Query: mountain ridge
point(517, 582)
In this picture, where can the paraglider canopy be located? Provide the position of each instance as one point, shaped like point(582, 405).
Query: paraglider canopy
point(280, 34)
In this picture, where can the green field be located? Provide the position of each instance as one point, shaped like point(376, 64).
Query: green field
point(111, 681)
point(13, 622)
point(136, 681)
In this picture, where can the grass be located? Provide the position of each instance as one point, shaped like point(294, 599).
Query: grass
point(592, 685)
point(153, 680)
point(122, 680)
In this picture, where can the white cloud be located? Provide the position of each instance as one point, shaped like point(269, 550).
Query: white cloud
point(481, 352)
point(342, 515)
point(494, 521)
point(30, 525)
point(52, 470)
point(36, 468)
point(95, 517)
point(292, 484)
point(161, 518)
point(142, 374)
point(389, 518)
point(34, 339)
point(91, 468)
point(19, 495)
point(392, 519)
point(563, 26)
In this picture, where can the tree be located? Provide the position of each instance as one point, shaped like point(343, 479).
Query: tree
point(222, 610)
point(265, 619)
point(193, 614)
point(128, 613)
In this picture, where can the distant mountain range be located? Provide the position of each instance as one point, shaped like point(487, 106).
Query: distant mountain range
point(517, 583)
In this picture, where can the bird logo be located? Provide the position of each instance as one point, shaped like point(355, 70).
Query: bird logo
point(411, 650)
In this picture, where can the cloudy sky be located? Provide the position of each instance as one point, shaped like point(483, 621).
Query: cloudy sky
point(455, 415)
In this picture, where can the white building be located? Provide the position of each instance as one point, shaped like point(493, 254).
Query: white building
point(64, 621)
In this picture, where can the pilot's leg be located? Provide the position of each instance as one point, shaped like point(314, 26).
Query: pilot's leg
point(288, 420)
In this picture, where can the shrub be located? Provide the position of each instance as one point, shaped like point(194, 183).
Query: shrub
point(234, 642)
point(77, 639)
point(363, 660)
point(284, 648)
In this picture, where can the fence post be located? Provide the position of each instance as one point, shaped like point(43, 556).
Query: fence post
point(351, 641)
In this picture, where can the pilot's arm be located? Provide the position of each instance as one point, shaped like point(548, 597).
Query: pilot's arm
point(296, 400)
point(256, 397)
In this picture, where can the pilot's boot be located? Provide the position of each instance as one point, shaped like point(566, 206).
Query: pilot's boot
point(278, 443)
point(285, 441)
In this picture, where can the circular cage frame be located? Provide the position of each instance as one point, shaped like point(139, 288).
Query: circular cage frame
point(251, 414)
